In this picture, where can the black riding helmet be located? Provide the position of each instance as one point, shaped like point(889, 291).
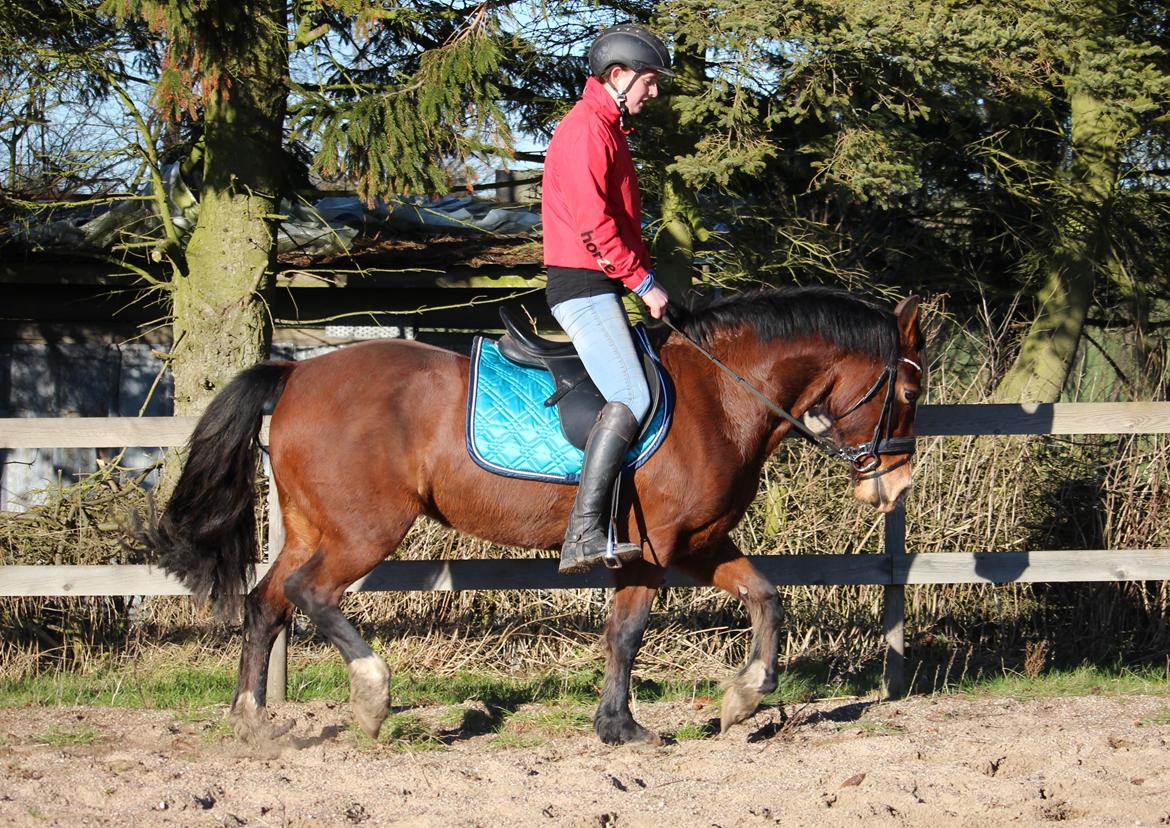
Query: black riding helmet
point(630, 46)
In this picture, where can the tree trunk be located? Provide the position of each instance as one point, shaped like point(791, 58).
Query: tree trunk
point(674, 245)
point(1081, 247)
point(221, 324)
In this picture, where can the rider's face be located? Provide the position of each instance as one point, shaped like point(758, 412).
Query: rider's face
point(644, 87)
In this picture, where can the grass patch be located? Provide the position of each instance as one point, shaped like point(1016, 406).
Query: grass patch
point(810, 679)
point(509, 740)
point(691, 731)
point(310, 681)
point(1082, 680)
point(172, 689)
point(68, 736)
point(870, 727)
point(550, 720)
point(493, 690)
point(197, 686)
point(1162, 718)
point(401, 732)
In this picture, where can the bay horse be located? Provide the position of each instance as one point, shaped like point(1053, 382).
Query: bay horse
point(365, 439)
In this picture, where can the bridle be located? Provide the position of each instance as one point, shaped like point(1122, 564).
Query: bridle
point(874, 448)
point(878, 444)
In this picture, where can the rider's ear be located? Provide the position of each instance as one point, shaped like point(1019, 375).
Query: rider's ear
point(908, 330)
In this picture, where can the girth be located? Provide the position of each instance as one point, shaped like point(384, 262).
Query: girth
point(576, 397)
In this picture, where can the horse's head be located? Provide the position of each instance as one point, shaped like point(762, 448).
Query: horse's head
point(871, 410)
point(840, 359)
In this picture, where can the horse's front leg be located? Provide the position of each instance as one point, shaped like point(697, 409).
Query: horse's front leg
point(724, 566)
point(637, 585)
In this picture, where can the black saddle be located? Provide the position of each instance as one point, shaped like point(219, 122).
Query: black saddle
point(577, 399)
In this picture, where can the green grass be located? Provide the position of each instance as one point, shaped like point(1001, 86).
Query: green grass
point(404, 731)
point(870, 727)
point(182, 688)
point(691, 731)
point(401, 732)
point(509, 740)
point(68, 736)
point(550, 720)
point(200, 691)
point(1085, 680)
point(1162, 718)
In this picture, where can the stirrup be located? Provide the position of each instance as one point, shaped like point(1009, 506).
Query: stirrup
point(617, 554)
point(614, 556)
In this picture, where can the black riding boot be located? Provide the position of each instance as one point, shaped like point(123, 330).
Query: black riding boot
point(587, 534)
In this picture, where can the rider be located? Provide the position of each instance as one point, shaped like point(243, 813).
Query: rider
point(593, 248)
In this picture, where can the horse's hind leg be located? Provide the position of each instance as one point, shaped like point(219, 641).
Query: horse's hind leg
point(637, 585)
point(266, 611)
point(317, 588)
point(725, 566)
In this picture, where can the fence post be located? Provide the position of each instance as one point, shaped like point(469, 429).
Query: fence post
point(277, 686)
point(894, 612)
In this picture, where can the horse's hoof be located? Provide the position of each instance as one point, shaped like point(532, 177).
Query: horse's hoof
point(369, 693)
point(624, 731)
point(252, 725)
point(738, 704)
point(277, 730)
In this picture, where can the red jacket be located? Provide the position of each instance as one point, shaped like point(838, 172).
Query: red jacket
point(591, 210)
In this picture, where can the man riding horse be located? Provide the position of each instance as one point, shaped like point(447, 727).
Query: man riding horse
point(593, 249)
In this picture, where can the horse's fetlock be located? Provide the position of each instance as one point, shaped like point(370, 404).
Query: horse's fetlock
point(249, 718)
point(757, 677)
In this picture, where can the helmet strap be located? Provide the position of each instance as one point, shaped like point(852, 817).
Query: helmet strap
point(623, 111)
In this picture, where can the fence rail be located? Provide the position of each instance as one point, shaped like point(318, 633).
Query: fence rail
point(894, 568)
point(932, 421)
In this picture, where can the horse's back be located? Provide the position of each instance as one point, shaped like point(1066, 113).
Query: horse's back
point(369, 406)
point(370, 370)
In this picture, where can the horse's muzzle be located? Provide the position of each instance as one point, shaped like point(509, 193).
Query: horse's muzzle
point(884, 487)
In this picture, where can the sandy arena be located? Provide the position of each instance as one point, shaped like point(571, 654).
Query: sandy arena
point(920, 762)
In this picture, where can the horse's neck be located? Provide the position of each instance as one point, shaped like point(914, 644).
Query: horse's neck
point(790, 375)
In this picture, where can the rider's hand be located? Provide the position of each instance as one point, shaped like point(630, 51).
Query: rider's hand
point(656, 300)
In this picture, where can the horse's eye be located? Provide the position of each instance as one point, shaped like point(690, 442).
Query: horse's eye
point(910, 394)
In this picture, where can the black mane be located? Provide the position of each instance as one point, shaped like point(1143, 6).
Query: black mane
point(840, 318)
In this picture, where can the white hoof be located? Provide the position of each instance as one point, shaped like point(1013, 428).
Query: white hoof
point(369, 693)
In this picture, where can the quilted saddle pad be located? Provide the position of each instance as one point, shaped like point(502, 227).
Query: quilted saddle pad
point(510, 431)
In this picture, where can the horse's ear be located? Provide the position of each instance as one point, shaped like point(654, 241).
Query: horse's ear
point(907, 313)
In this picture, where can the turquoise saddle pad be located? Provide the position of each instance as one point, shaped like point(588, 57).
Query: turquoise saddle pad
point(510, 431)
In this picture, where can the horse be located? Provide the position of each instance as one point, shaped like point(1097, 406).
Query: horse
point(365, 439)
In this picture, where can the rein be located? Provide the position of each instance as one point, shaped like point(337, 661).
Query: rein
point(853, 455)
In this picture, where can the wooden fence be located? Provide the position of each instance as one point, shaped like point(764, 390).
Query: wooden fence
point(893, 569)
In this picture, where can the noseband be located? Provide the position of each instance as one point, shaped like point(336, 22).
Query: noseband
point(874, 448)
point(878, 444)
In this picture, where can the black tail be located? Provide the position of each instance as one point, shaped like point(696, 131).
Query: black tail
point(207, 535)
